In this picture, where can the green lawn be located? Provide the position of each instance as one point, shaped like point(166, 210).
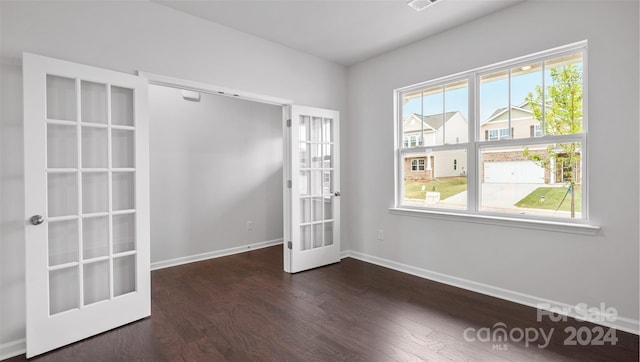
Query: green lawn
point(446, 186)
point(552, 198)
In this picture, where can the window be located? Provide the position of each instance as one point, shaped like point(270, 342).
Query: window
point(497, 134)
point(536, 130)
point(502, 139)
point(417, 165)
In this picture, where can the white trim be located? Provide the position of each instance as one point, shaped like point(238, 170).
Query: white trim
point(13, 348)
point(515, 62)
point(213, 254)
point(524, 223)
point(621, 323)
point(185, 84)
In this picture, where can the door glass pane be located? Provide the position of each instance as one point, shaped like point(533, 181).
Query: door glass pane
point(122, 148)
point(124, 275)
point(96, 282)
point(304, 129)
point(93, 102)
point(95, 192)
point(123, 191)
point(124, 233)
point(62, 189)
point(305, 237)
point(61, 98)
point(328, 207)
point(316, 129)
point(328, 233)
point(316, 155)
point(317, 209)
point(327, 130)
point(327, 158)
point(94, 147)
point(95, 237)
point(316, 183)
point(305, 210)
point(64, 290)
point(63, 242)
point(121, 106)
point(304, 155)
point(317, 235)
point(305, 183)
point(327, 181)
point(62, 146)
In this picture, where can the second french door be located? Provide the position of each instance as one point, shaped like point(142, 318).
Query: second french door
point(312, 194)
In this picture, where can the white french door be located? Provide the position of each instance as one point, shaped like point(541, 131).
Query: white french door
point(86, 203)
point(312, 202)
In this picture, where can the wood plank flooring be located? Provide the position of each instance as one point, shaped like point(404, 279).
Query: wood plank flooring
point(244, 308)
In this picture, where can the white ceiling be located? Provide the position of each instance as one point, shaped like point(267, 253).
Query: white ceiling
point(343, 31)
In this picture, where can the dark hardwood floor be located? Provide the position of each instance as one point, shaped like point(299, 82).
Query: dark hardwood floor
point(244, 308)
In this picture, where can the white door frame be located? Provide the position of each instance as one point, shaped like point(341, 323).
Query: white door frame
point(173, 82)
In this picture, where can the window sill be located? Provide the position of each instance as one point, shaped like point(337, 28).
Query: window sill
point(563, 227)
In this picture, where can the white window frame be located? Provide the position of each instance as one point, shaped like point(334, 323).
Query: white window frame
point(477, 143)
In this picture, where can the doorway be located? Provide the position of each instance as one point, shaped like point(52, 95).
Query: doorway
point(216, 175)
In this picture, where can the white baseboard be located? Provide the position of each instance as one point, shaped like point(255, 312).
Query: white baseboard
point(213, 254)
point(12, 349)
point(621, 323)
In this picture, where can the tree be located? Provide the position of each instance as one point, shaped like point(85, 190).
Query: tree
point(562, 114)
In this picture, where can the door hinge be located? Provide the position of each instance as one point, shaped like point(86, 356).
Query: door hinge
point(289, 183)
point(288, 122)
point(289, 245)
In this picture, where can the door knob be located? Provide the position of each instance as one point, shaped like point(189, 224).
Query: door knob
point(337, 193)
point(37, 219)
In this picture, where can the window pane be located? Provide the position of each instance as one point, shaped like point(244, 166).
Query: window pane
point(456, 127)
point(437, 179)
point(494, 103)
point(411, 115)
point(541, 180)
point(563, 95)
point(433, 116)
point(526, 84)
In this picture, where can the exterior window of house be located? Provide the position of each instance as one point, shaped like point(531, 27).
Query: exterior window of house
point(498, 134)
point(537, 130)
point(405, 141)
point(417, 165)
point(516, 148)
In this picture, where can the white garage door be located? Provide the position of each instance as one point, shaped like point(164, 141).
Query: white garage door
point(513, 172)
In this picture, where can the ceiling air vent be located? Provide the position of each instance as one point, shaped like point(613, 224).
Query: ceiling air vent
point(420, 5)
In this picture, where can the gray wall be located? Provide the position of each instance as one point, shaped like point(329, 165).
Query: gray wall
point(561, 267)
point(215, 164)
point(129, 36)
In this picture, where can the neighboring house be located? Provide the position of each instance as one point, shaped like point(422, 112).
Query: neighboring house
point(509, 165)
point(501, 165)
point(425, 131)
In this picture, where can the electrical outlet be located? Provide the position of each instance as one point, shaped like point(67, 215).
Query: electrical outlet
point(380, 234)
point(249, 225)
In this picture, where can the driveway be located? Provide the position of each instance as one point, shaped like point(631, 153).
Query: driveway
point(494, 195)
